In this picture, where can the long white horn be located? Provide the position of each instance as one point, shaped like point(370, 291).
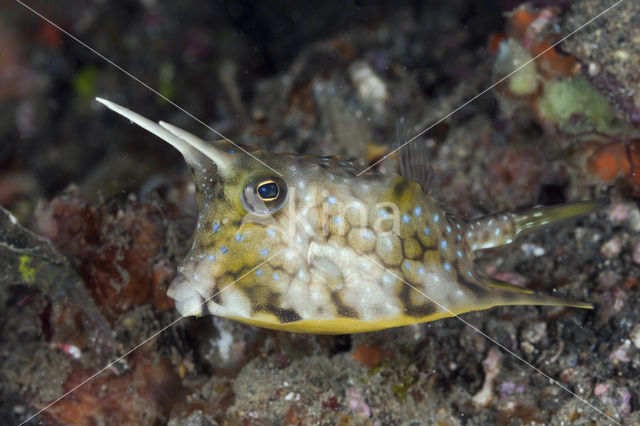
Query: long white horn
point(221, 158)
point(188, 144)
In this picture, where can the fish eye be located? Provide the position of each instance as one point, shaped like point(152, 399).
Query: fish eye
point(268, 190)
point(264, 196)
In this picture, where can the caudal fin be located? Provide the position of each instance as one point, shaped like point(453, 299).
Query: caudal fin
point(500, 229)
point(543, 217)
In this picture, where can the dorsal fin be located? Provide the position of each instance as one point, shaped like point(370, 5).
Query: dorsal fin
point(413, 156)
point(414, 163)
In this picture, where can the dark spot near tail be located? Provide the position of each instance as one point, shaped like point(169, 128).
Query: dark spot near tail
point(216, 296)
point(399, 187)
point(422, 310)
point(416, 311)
point(343, 310)
point(404, 295)
point(264, 299)
point(284, 315)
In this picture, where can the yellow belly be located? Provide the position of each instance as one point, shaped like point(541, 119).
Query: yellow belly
point(335, 326)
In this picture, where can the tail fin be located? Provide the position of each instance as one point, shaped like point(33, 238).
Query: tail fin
point(543, 217)
point(500, 229)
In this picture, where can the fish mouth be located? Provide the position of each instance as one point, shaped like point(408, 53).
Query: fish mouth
point(192, 289)
point(188, 301)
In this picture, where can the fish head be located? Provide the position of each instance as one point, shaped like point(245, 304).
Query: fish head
point(268, 222)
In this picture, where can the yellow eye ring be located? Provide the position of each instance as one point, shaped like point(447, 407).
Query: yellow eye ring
point(268, 190)
point(264, 195)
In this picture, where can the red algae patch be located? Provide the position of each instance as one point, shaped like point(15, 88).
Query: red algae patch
point(370, 355)
point(118, 250)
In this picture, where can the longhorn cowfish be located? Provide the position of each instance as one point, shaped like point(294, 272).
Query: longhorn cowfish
point(310, 244)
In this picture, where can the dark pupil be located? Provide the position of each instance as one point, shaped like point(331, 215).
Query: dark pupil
point(268, 191)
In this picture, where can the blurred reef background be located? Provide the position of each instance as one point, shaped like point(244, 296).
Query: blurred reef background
point(96, 213)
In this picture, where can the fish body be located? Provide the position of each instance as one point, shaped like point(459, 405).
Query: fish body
point(310, 244)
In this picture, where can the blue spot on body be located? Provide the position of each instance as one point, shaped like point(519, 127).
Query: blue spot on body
point(407, 264)
point(436, 218)
point(417, 211)
point(332, 200)
point(232, 151)
point(238, 237)
point(271, 232)
point(337, 220)
point(199, 225)
point(459, 237)
point(443, 244)
point(448, 228)
point(259, 272)
point(366, 233)
point(216, 227)
point(276, 276)
point(405, 218)
point(447, 267)
point(469, 274)
point(459, 253)
point(421, 270)
point(264, 252)
point(212, 258)
point(427, 231)
point(224, 249)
